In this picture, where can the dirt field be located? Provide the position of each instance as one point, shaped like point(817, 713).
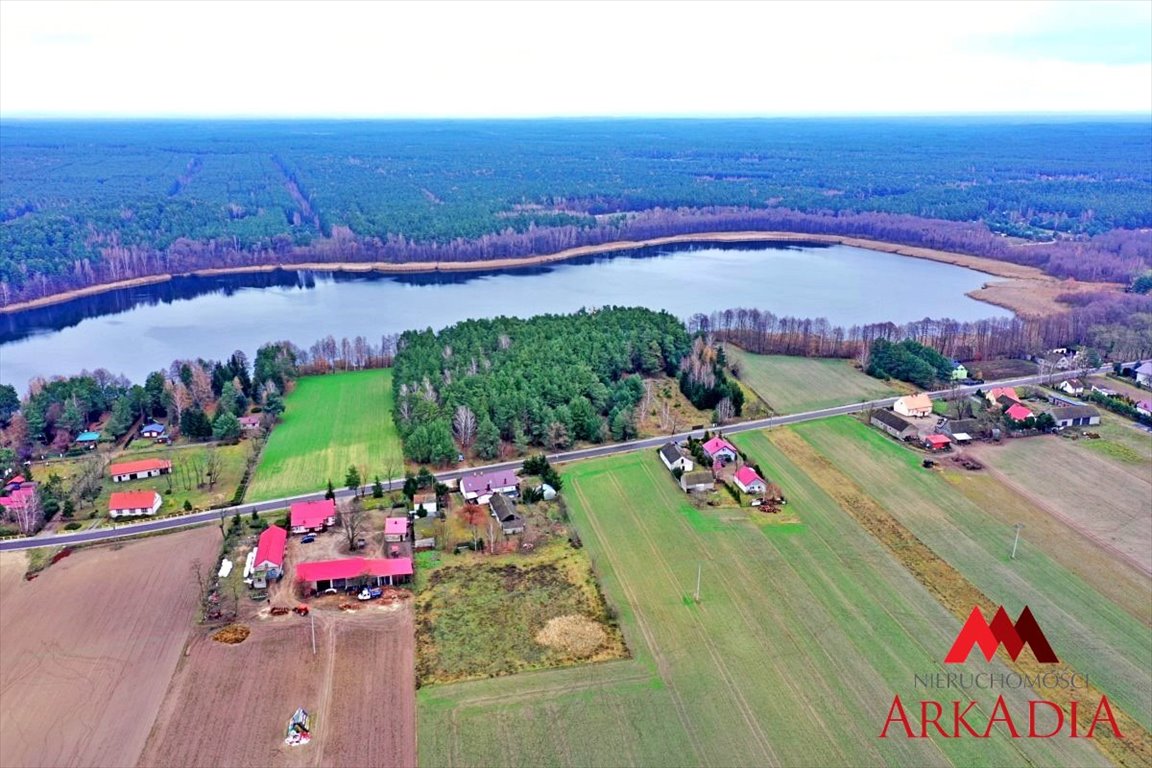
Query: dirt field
point(229, 705)
point(90, 646)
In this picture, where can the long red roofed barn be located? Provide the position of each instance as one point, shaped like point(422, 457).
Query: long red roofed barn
point(480, 487)
point(354, 572)
point(312, 516)
point(133, 503)
point(138, 470)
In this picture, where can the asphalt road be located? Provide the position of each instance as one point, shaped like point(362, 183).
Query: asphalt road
point(220, 516)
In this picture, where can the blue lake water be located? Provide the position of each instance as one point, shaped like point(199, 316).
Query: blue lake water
point(134, 331)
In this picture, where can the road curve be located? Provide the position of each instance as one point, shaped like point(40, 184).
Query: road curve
point(218, 516)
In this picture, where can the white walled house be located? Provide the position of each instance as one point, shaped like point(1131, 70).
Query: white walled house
point(133, 504)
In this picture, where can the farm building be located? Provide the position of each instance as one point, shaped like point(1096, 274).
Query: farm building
point(312, 516)
point(1144, 374)
point(88, 439)
point(1071, 387)
point(133, 503)
point(249, 423)
point(954, 427)
point(893, 424)
point(1076, 416)
point(547, 492)
point(913, 405)
point(1106, 391)
point(269, 563)
point(697, 482)
point(748, 481)
point(354, 572)
point(674, 458)
point(993, 395)
point(138, 470)
point(396, 529)
point(937, 442)
point(720, 450)
point(1017, 412)
point(480, 487)
point(505, 513)
point(424, 502)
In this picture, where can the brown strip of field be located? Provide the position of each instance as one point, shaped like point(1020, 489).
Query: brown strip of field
point(1029, 291)
point(955, 592)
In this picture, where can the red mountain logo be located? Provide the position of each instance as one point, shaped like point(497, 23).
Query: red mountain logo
point(1001, 631)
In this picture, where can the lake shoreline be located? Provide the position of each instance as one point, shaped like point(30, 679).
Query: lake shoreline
point(1012, 294)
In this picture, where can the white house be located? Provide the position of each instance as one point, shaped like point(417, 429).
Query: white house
point(674, 458)
point(1071, 386)
point(479, 488)
point(913, 405)
point(748, 481)
point(720, 450)
point(424, 502)
point(269, 561)
point(1144, 374)
point(133, 503)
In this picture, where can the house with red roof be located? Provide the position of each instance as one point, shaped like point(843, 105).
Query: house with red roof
point(720, 450)
point(250, 423)
point(479, 488)
point(354, 572)
point(312, 516)
point(18, 498)
point(936, 442)
point(138, 470)
point(15, 482)
point(1017, 412)
point(133, 504)
point(269, 562)
point(396, 529)
point(748, 481)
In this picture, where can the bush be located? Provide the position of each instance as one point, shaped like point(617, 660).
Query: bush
point(72, 526)
point(187, 505)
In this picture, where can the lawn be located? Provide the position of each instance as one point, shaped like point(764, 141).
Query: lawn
point(330, 423)
point(1103, 637)
point(801, 632)
point(481, 616)
point(797, 384)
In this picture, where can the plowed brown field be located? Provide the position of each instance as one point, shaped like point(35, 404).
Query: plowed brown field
point(89, 648)
point(230, 704)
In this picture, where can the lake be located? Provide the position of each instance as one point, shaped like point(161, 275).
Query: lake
point(137, 330)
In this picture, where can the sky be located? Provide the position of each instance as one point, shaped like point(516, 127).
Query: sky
point(557, 59)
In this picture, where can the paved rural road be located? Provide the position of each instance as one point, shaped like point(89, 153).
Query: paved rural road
point(219, 515)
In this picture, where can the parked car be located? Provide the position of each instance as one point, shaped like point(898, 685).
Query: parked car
point(308, 539)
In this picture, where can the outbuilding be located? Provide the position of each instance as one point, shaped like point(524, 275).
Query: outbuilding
point(894, 425)
point(133, 504)
point(1076, 416)
point(396, 529)
point(426, 503)
point(139, 470)
point(354, 572)
point(937, 442)
point(88, 439)
point(505, 513)
point(698, 481)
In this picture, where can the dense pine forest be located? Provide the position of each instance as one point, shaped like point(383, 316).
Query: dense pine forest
point(84, 203)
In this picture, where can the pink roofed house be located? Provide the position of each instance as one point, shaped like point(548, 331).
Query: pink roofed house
point(720, 450)
point(269, 563)
point(748, 481)
point(396, 529)
point(312, 516)
point(17, 499)
point(1018, 412)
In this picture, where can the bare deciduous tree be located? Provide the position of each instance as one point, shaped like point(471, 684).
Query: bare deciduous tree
point(724, 411)
point(464, 425)
point(211, 465)
point(353, 521)
point(29, 517)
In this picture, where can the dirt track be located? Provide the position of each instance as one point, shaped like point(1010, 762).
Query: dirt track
point(229, 705)
point(90, 646)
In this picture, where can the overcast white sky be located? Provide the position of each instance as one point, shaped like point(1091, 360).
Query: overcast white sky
point(514, 59)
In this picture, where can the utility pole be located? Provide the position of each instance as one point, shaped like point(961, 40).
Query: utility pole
point(312, 616)
point(698, 568)
point(1017, 526)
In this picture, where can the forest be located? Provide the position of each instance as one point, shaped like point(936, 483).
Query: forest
point(84, 203)
point(548, 381)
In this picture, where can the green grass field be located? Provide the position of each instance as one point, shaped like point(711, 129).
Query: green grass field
point(1098, 636)
point(329, 423)
point(803, 635)
point(796, 384)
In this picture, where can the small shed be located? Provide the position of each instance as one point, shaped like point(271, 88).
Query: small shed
point(396, 529)
point(504, 510)
point(548, 493)
point(426, 503)
point(698, 481)
point(88, 439)
point(937, 442)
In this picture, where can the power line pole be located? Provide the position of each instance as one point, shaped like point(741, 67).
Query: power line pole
point(1018, 527)
point(698, 568)
point(312, 616)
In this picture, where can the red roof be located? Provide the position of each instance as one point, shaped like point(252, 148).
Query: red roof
point(746, 476)
point(996, 392)
point(717, 444)
point(1018, 412)
point(396, 525)
point(17, 480)
point(312, 514)
point(937, 441)
point(19, 497)
point(270, 546)
point(132, 500)
point(351, 567)
point(143, 465)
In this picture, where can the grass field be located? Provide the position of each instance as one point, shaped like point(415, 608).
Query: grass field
point(1096, 635)
point(329, 423)
point(480, 617)
point(796, 384)
point(802, 636)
